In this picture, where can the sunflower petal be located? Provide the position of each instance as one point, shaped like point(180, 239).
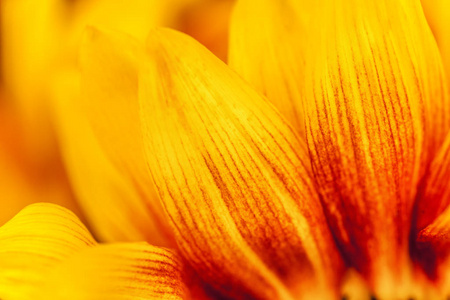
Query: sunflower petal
point(37, 238)
point(267, 43)
point(109, 90)
point(438, 16)
point(377, 111)
point(110, 199)
point(117, 271)
point(433, 246)
point(434, 196)
point(233, 177)
point(29, 39)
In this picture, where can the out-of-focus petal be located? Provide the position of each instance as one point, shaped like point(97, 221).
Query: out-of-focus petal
point(22, 182)
point(438, 16)
point(31, 31)
point(354, 286)
point(233, 177)
point(117, 271)
point(36, 239)
point(433, 246)
point(434, 196)
point(207, 21)
point(110, 200)
point(134, 17)
point(109, 91)
point(376, 113)
point(268, 40)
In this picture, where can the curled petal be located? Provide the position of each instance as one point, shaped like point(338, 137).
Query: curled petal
point(376, 113)
point(267, 47)
point(35, 240)
point(118, 271)
point(233, 177)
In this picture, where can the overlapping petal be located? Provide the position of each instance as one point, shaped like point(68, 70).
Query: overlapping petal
point(112, 204)
point(433, 246)
point(45, 252)
point(233, 177)
point(117, 271)
point(434, 196)
point(34, 241)
point(376, 113)
point(438, 16)
point(109, 88)
point(268, 40)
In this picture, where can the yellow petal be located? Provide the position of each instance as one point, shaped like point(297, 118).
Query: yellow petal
point(30, 35)
point(109, 93)
point(21, 182)
point(207, 22)
point(35, 240)
point(376, 113)
point(233, 177)
point(438, 16)
point(267, 43)
point(134, 17)
point(433, 247)
point(434, 195)
point(116, 210)
point(117, 271)
point(109, 89)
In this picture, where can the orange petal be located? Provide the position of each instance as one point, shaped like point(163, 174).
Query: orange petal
point(233, 177)
point(433, 246)
point(434, 196)
point(377, 111)
point(117, 271)
point(113, 205)
point(36, 239)
point(207, 22)
point(267, 47)
point(438, 16)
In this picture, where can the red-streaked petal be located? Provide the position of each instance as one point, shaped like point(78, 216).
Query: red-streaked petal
point(233, 177)
point(377, 111)
point(434, 195)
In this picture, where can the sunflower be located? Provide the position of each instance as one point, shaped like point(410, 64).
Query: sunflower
point(322, 147)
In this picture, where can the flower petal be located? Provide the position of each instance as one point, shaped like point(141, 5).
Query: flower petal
point(267, 43)
point(113, 205)
point(135, 17)
point(434, 195)
point(109, 89)
point(233, 177)
point(438, 16)
point(36, 239)
point(117, 271)
point(377, 112)
point(30, 35)
point(433, 246)
point(207, 22)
